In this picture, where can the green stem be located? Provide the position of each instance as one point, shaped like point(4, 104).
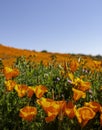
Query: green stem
point(59, 125)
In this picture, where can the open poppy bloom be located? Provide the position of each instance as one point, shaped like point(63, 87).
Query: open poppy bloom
point(52, 108)
point(40, 90)
point(78, 94)
point(94, 105)
point(10, 84)
point(69, 109)
point(10, 73)
point(84, 114)
point(82, 85)
point(28, 113)
point(79, 83)
point(21, 89)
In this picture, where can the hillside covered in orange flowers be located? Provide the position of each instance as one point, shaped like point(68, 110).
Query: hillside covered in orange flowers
point(8, 55)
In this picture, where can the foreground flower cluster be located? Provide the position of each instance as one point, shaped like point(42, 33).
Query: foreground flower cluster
point(52, 107)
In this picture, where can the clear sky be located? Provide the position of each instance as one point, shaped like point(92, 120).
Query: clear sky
point(65, 26)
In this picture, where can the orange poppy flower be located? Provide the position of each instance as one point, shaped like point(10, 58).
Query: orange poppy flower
point(21, 90)
point(28, 113)
point(94, 105)
point(78, 94)
point(69, 109)
point(81, 85)
point(10, 73)
point(84, 114)
point(40, 90)
point(101, 115)
point(52, 108)
point(30, 92)
point(10, 84)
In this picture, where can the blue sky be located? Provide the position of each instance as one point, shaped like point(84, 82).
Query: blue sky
point(65, 26)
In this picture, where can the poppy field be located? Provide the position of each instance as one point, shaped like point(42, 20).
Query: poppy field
point(52, 95)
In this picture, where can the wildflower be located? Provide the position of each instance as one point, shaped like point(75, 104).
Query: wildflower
point(10, 84)
point(30, 92)
point(10, 73)
point(84, 114)
point(21, 90)
point(79, 83)
point(52, 108)
point(28, 113)
point(78, 94)
point(40, 90)
point(95, 106)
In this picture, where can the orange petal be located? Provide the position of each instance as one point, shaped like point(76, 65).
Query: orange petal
point(30, 92)
point(78, 94)
point(50, 118)
point(69, 110)
point(10, 84)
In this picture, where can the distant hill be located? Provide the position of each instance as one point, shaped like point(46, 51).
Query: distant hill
point(9, 55)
